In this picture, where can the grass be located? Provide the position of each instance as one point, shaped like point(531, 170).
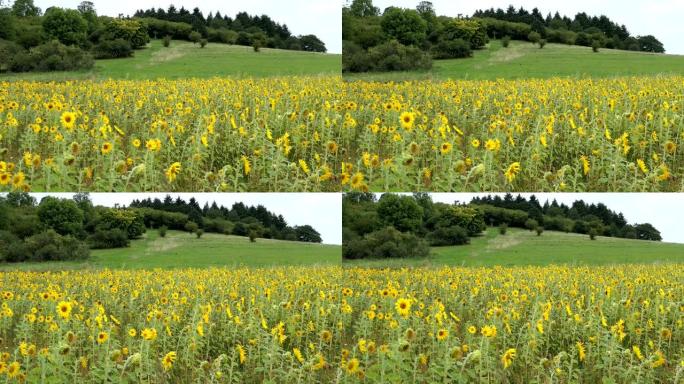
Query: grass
point(184, 250)
point(186, 60)
point(520, 248)
point(525, 60)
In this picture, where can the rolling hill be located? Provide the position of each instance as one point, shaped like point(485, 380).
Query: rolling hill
point(186, 60)
point(519, 247)
point(184, 250)
point(525, 60)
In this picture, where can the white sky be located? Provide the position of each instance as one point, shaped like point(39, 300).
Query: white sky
point(319, 17)
point(661, 18)
point(663, 210)
point(323, 211)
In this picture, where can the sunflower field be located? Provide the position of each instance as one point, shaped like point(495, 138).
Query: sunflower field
point(335, 324)
point(324, 134)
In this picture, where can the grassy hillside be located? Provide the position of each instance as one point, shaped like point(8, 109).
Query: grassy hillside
point(519, 247)
point(183, 250)
point(525, 60)
point(183, 60)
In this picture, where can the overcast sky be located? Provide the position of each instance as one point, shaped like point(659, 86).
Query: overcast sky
point(319, 17)
point(661, 18)
point(663, 210)
point(323, 211)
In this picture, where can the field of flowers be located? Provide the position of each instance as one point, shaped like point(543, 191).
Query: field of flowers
point(324, 134)
point(334, 324)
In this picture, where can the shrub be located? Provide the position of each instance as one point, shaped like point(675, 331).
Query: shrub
point(166, 41)
point(256, 46)
point(8, 51)
point(50, 245)
point(534, 37)
point(539, 230)
point(451, 49)
point(158, 28)
point(195, 37)
point(132, 31)
point(503, 228)
point(392, 56)
point(113, 49)
point(62, 215)
point(199, 232)
point(217, 226)
point(386, 243)
point(454, 235)
point(595, 45)
point(531, 224)
point(7, 240)
point(203, 43)
point(130, 221)
point(252, 236)
point(52, 56)
point(162, 231)
point(191, 227)
point(593, 233)
point(506, 41)
point(105, 239)
point(542, 43)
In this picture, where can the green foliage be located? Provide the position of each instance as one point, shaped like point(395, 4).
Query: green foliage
point(363, 8)
point(595, 45)
point(389, 56)
point(113, 49)
point(503, 228)
point(647, 232)
point(224, 36)
point(542, 43)
point(445, 236)
point(534, 37)
point(252, 236)
point(472, 31)
point(129, 221)
point(61, 215)
point(167, 41)
point(66, 25)
point(531, 224)
point(191, 227)
point(539, 230)
point(159, 28)
point(162, 231)
point(7, 25)
point(199, 232)
point(47, 246)
point(400, 212)
point(451, 49)
point(25, 8)
point(404, 25)
point(307, 234)
point(133, 31)
point(195, 37)
point(311, 43)
point(108, 239)
point(649, 43)
point(506, 41)
point(203, 43)
point(385, 244)
point(51, 56)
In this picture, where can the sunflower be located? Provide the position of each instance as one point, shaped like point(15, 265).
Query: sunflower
point(136, 143)
point(442, 334)
point(507, 357)
point(242, 354)
point(326, 336)
point(106, 148)
point(13, 369)
point(352, 366)
point(407, 119)
point(173, 171)
point(581, 351)
point(64, 309)
point(102, 337)
point(168, 359)
point(670, 147)
point(5, 178)
point(445, 148)
point(332, 147)
point(512, 171)
point(403, 307)
point(68, 120)
point(247, 166)
point(357, 180)
point(18, 180)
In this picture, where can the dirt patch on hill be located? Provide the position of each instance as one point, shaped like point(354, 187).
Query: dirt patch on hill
point(506, 54)
point(503, 242)
point(167, 54)
point(161, 245)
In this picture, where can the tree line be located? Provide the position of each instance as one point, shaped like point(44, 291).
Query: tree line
point(400, 226)
point(400, 39)
point(67, 229)
point(62, 39)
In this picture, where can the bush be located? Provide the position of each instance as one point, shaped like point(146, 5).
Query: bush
point(132, 31)
point(454, 235)
point(218, 226)
point(252, 236)
point(257, 47)
point(539, 230)
point(503, 228)
point(506, 41)
point(50, 246)
point(158, 28)
point(199, 232)
point(534, 37)
point(392, 56)
point(386, 243)
point(195, 37)
point(162, 231)
point(113, 49)
point(7, 240)
point(8, 51)
point(595, 45)
point(452, 49)
point(166, 41)
point(106, 239)
point(130, 221)
point(531, 224)
point(542, 43)
point(593, 233)
point(203, 43)
point(191, 227)
point(52, 56)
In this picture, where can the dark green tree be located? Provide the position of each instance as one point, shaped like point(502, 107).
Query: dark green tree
point(66, 25)
point(62, 215)
point(404, 25)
